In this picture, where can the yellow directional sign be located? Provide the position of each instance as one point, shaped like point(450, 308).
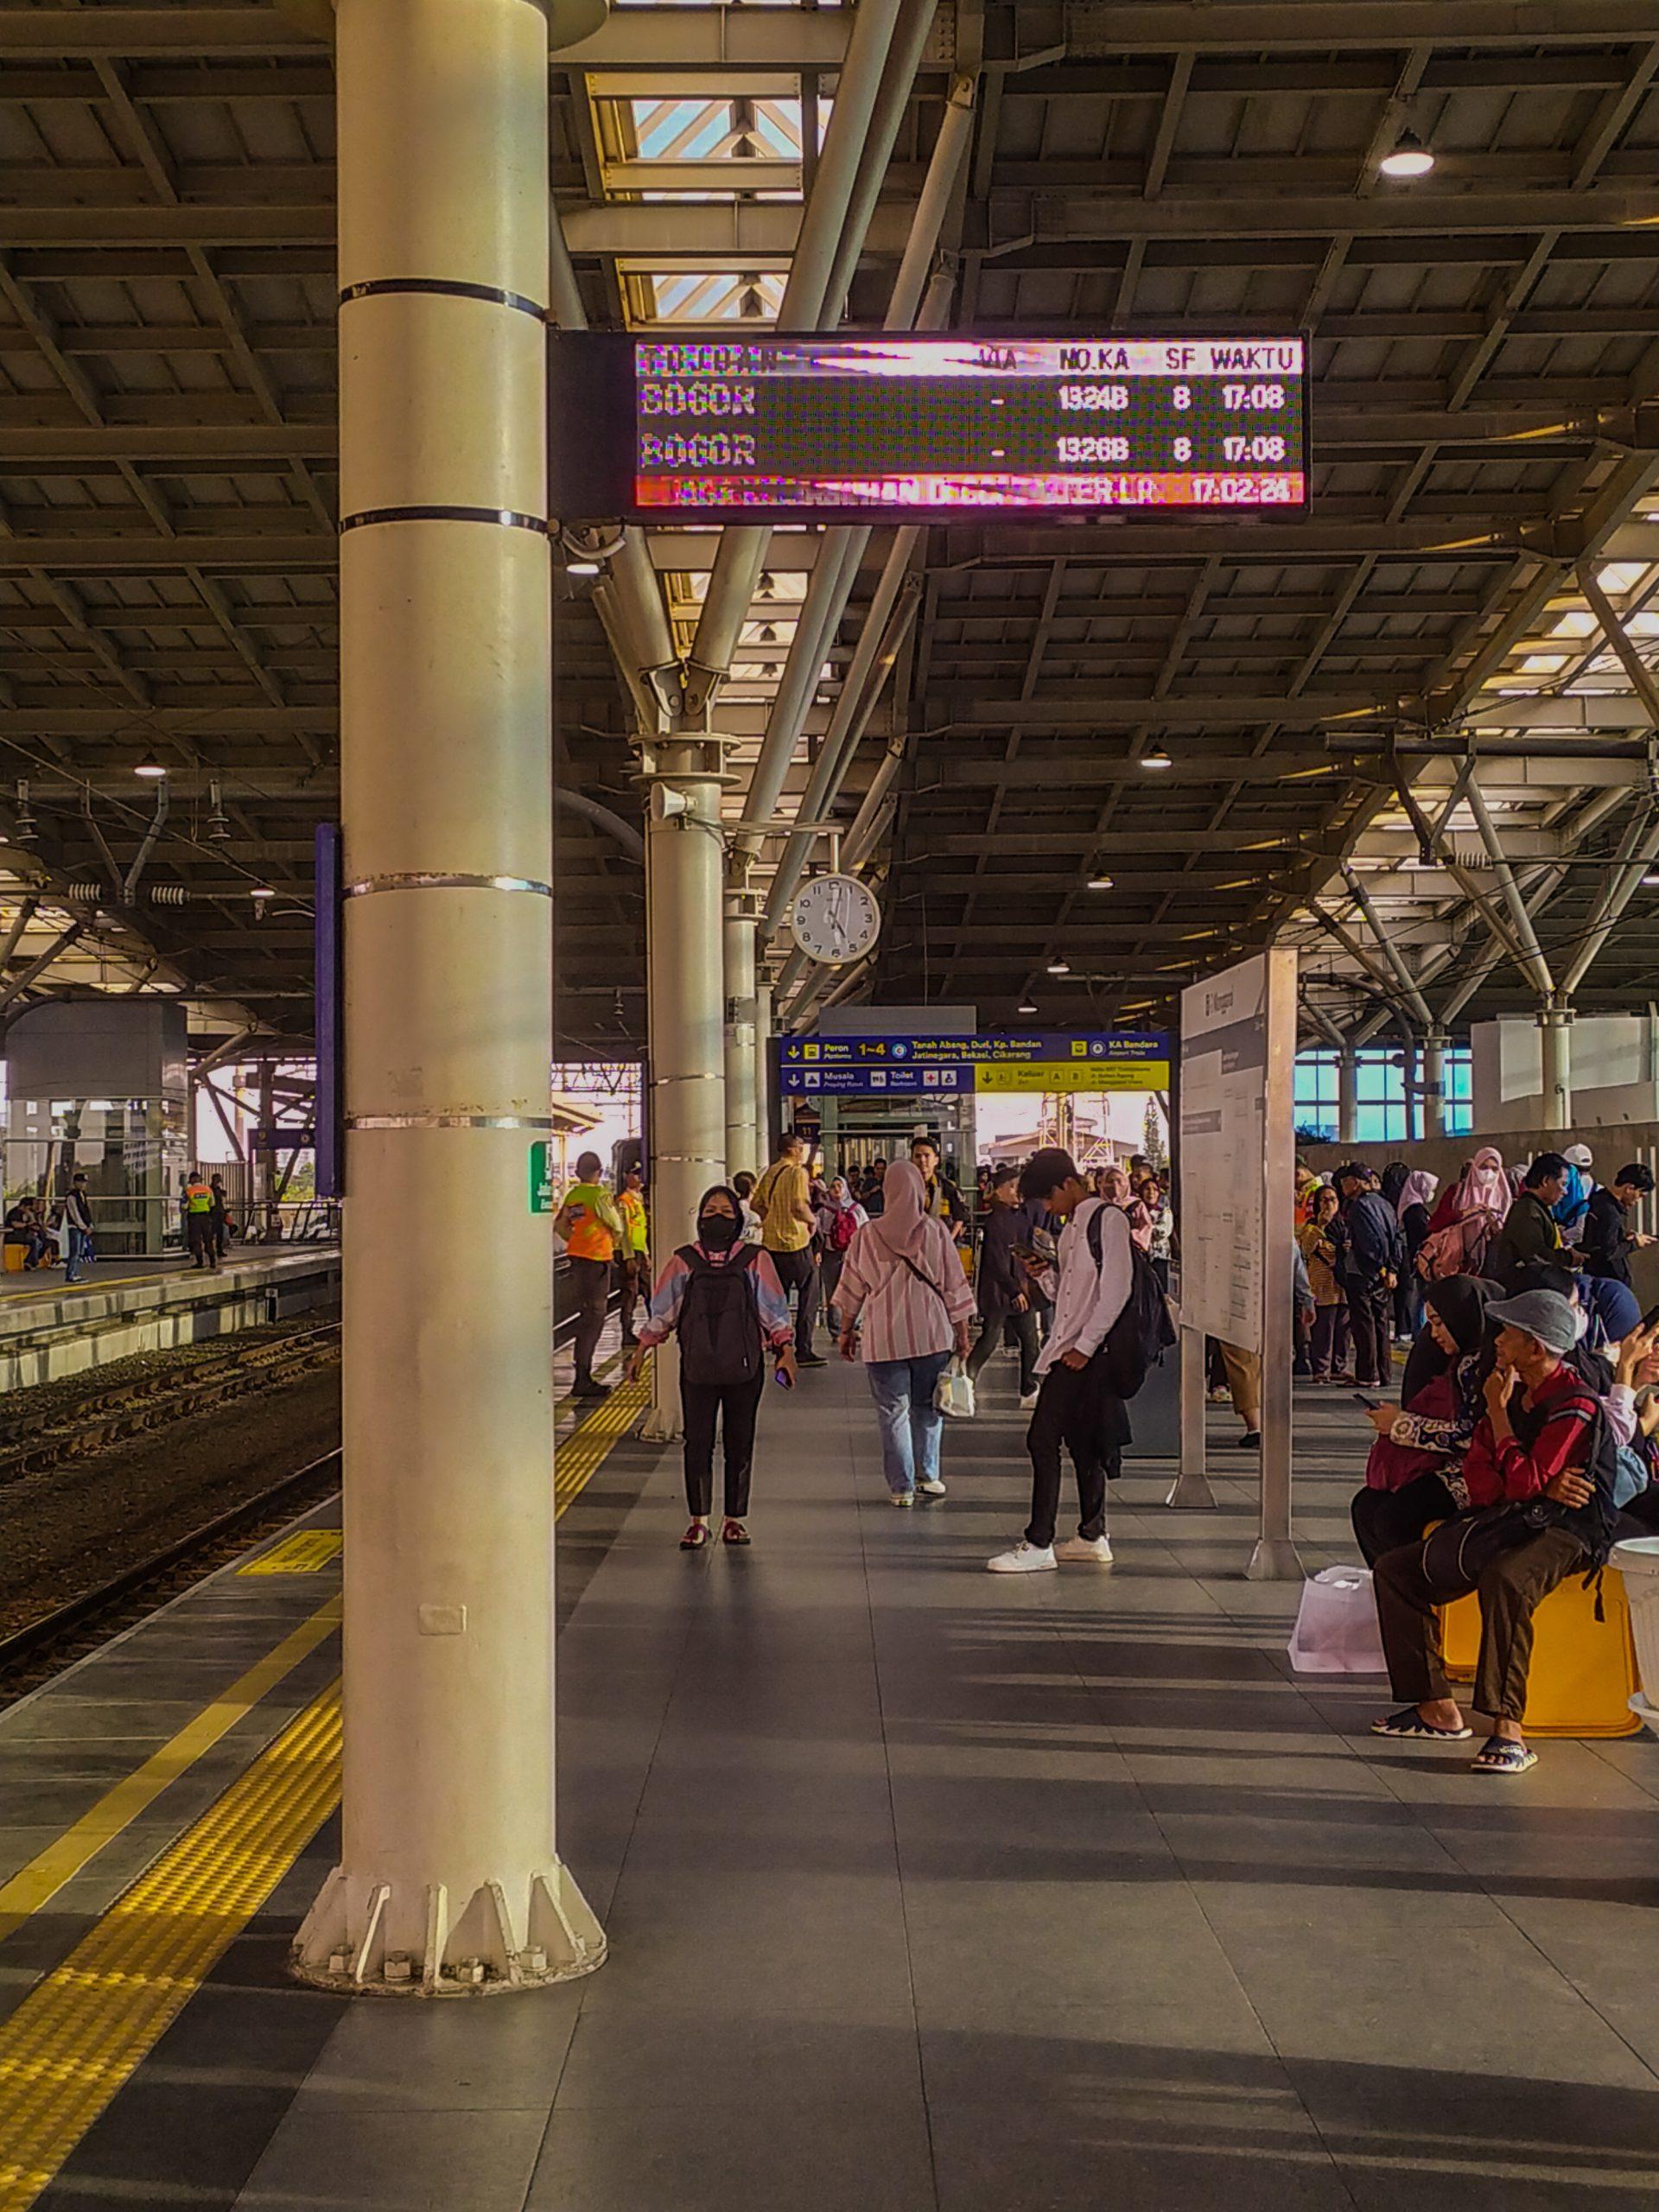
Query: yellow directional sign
point(1072, 1075)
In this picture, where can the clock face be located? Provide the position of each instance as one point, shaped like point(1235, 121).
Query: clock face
point(835, 920)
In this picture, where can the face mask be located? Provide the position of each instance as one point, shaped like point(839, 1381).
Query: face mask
point(718, 1231)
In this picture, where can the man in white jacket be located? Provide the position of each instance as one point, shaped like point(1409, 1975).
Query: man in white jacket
point(1074, 1407)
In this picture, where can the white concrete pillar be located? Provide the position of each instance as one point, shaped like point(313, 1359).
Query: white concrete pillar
point(743, 1146)
point(1555, 1038)
point(1347, 1096)
point(448, 1874)
point(685, 989)
point(765, 1102)
point(1434, 1067)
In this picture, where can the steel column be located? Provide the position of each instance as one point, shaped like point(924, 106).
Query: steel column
point(1190, 1491)
point(686, 997)
point(743, 1148)
point(1348, 1095)
point(449, 1873)
point(1433, 1065)
point(1555, 1042)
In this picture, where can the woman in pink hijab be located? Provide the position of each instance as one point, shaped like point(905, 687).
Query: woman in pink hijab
point(905, 1305)
point(1467, 1218)
point(1113, 1185)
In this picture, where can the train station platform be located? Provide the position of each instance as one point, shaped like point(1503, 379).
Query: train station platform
point(927, 1891)
point(49, 1328)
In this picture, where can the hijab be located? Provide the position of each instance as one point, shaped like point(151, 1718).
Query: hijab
point(1394, 1176)
point(721, 1190)
point(901, 1227)
point(1461, 1303)
point(1483, 1185)
point(1114, 1187)
point(838, 1196)
point(1613, 1307)
point(1417, 1190)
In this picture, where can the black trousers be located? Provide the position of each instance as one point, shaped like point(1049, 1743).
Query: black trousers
point(1070, 1412)
point(1509, 1591)
point(199, 1234)
point(997, 1314)
point(591, 1280)
point(735, 1405)
point(1371, 1309)
point(1385, 1519)
point(799, 1271)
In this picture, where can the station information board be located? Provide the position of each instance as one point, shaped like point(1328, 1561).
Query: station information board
point(872, 1067)
point(804, 428)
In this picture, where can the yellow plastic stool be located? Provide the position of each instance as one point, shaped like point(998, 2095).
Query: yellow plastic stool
point(16, 1254)
point(1583, 1669)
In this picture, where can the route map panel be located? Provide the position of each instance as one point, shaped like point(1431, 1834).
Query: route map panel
point(784, 429)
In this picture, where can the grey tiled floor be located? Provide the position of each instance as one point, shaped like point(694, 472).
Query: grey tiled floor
point(932, 1892)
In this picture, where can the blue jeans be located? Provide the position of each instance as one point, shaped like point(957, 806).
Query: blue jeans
point(80, 1250)
point(910, 1422)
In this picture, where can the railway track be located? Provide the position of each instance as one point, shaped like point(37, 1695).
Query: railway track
point(66, 1421)
point(54, 1639)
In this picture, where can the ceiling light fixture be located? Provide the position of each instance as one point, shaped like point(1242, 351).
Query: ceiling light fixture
point(1156, 758)
point(1650, 882)
point(1411, 157)
point(1027, 1006)
point(581, 567)
point(1100, 883)
point(262, 891)
point(1059, 968)
point(152, 771)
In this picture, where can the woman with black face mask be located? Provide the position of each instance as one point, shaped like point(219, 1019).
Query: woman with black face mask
point(724, 1300)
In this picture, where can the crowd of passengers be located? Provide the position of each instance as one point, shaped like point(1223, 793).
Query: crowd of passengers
point(1525, 1439)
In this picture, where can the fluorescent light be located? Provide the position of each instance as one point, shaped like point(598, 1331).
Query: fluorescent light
point(1100, 883)
point(1156, 758)
point(1027, 1006)
point(262, 891)
point(581, 567)
point(1650, 881)
point(152, 771)
point(1059, 968)
point(1411, 157)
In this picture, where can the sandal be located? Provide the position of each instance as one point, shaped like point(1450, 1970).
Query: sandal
point(1409, 1722)
point(1502, 1755)
point(695, 1537)
point(734, 1533)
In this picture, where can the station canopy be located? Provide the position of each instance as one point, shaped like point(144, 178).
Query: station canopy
point(1121, 750)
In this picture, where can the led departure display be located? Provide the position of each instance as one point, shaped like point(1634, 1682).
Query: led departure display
point(804, 428)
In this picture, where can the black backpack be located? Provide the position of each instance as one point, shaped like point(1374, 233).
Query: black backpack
point(1143, 1331)
point(719, 1329)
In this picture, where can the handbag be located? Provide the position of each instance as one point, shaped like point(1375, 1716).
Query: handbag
point(954, 1395)
point(1458, 1552)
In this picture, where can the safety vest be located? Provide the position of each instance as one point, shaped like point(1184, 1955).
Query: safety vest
point(590, 1239)
point(631, 1207)
point(198, 1198)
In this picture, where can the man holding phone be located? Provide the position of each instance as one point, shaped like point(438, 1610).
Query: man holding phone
point(1535, 1441)
point(1007, 1297)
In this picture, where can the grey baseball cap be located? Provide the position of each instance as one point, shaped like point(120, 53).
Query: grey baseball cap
point(1545, 1314)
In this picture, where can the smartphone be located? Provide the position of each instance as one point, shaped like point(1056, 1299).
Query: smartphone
point(782, 1377)
point(1371, 1405)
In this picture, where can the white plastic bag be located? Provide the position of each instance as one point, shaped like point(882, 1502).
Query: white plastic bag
point(1336, 1630)
point(953, 1394)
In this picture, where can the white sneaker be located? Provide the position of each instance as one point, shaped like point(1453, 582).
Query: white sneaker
point(1097, 1548)
point(1028, 1402)
point(935, 1489)
point(901, 1498)
point(1024, 1558)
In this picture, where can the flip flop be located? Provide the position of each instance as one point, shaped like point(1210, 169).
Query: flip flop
point(1500, 1755)
point(695, 1537)
point(1409, 1722)
point(734, 1533)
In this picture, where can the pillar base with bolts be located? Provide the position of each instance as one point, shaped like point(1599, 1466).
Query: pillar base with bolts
point(1190, 1491)
point(1275, 1558)
point(349, 1938)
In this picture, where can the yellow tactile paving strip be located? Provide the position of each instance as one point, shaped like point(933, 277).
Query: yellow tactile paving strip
point(308, 1551)
point(81, 2032)
point(84, 2029)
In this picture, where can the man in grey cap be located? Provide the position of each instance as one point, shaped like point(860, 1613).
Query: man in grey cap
point(1534, 1442)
